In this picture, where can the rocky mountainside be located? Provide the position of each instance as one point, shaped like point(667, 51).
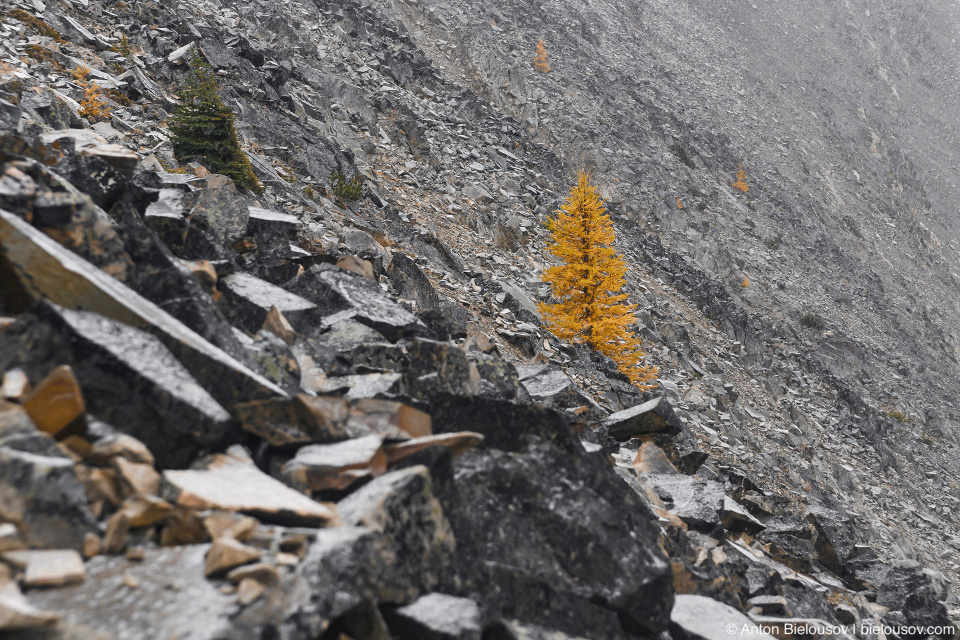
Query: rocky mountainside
point(319, 412)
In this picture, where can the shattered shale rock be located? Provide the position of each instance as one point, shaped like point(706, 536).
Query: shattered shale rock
point(654, 416)
point(42, 268)
point(341, 294)
point(128, 377)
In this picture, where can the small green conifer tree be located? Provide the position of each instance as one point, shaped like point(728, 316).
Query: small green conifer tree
point(204, 126)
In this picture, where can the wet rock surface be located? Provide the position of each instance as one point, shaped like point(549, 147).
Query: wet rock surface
point(303, 414)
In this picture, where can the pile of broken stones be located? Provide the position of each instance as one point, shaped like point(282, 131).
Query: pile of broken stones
point(208, 431)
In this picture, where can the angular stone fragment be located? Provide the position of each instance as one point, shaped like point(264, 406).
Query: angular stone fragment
point(336, 466)
point(401, 507)
point(340, 295)
point(183, 526)
point(737, 519)
point(437, 616)
point(118, 528)
point(307, 419)
point(47, 568)
point(42, 496)
point(137, 477)
point(120, 445)
point(15, 385)
point(250, 300)
point(231, 525)
point(550, 386)
point(696, 501)
point(654, 416)
point(128, 377)
point(382, 416)
point(263, 572)
point(835, 539)
point(522, 518)
point(221, 206)
point(272, 231)
point(700, 618)
point(16, 612)
point(227, 553)
point(457, 443)
point(651, 459)
point(145, 511)
point(56, 405)
point(248, 591)
point(411, 283)
point(357, 265)
point(88, 143)
point(45, 269)
point(234, 486)
point(277, 324)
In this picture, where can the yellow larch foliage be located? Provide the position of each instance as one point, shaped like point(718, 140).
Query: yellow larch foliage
point(741, 182)
point(93, 104)
point(540, 60)
point(587, 283)
point(679, 204)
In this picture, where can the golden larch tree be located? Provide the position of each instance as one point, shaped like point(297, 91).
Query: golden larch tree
point(741, 182)
point(587, 283)
point(540, 60)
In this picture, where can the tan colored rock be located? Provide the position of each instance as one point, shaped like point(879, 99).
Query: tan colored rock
point(651, 459)
point(130, 580)
point(15, 385)
point(414, 422)
point(48, 568)
point(100, 484)
point(183, 526)
point(77, 448)
point(319, 467)
point(136, 554)
point(145, 511)
point(121, 445)
point(233, 486)
point(204, 272)
point(92, 545)
point(230, 524)
point(263, 572)
point(115, 539)
point(279, 326)
point(10, 537)
point(226, 553)
point(56, 404)
point(136, 477)
point(457, 443)
point(248, 591)
point(15, 612)
point(357, 265)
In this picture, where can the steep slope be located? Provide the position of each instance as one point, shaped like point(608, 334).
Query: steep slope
point(805, 329)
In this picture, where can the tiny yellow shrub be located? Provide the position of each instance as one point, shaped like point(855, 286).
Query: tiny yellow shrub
point(741, 181)
point(540, 60)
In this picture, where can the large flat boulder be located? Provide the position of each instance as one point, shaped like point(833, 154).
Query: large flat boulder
point(128, 377)
point(44, 269)
point(654, 416)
